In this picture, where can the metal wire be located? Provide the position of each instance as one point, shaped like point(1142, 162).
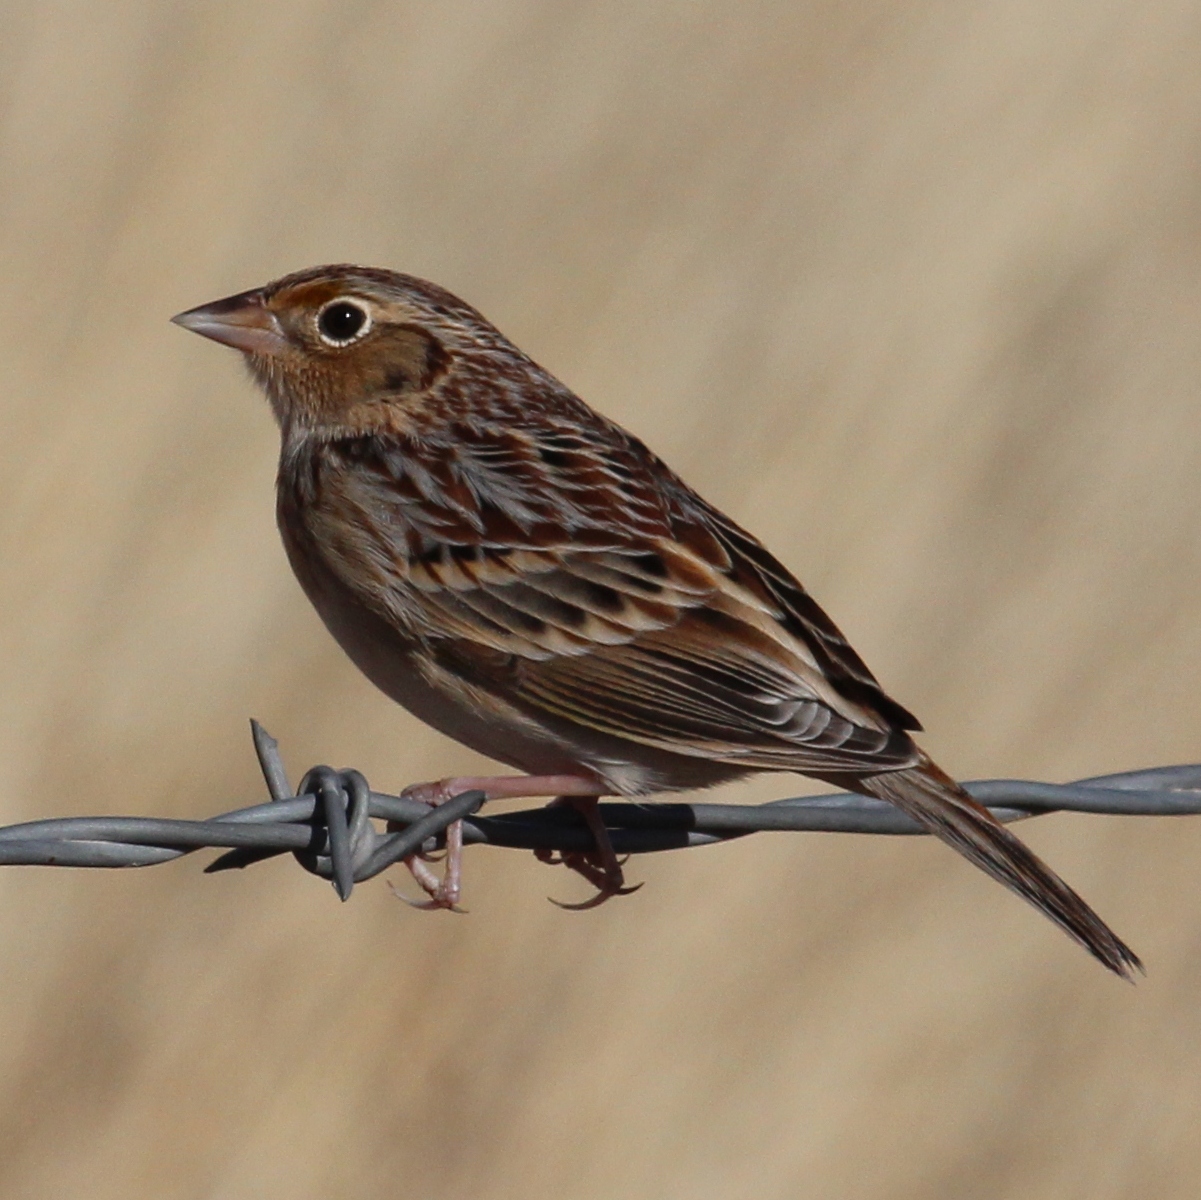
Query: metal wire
point(328, 827)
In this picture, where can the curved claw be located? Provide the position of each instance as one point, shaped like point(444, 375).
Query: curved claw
point(596, 901)
point(605, 876)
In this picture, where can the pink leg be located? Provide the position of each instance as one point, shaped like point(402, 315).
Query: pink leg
point(445, 892)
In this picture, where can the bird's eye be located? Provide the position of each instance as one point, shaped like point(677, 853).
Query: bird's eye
point(341, 322)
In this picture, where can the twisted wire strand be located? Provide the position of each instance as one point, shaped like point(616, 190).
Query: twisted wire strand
point(327, 825)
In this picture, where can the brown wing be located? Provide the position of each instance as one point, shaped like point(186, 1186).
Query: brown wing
point(695, 522)
point(574, 574)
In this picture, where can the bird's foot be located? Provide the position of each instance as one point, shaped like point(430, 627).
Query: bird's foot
point(601, 867)
point(445, 892)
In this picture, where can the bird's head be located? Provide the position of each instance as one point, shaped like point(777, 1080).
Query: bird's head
point(342, 350)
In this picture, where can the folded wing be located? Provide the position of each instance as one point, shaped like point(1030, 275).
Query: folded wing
point(579, 577)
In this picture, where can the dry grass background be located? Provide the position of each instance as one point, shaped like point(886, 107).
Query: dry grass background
point(912, 290)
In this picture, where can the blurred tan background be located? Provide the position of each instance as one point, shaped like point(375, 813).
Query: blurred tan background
point(914, 291)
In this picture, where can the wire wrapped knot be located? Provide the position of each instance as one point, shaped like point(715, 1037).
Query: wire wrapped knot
point(346, 848)
point(350, 838)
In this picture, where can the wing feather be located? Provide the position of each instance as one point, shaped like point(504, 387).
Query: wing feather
point(671, 627)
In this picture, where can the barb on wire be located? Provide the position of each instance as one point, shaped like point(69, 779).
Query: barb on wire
point(328, 824)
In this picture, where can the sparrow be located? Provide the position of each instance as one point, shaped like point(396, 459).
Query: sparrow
point(527, 577)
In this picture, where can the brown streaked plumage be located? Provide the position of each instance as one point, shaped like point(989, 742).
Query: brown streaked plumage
point(529, 578)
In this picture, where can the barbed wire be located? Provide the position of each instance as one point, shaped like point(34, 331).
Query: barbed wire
point(328, 824)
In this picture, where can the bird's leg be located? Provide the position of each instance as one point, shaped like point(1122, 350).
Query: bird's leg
point(601, 867)
point(445, 892)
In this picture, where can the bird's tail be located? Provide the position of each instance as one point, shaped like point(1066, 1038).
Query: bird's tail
point(933, 799)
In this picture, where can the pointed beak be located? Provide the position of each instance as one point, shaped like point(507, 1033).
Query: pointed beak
point(243, 322)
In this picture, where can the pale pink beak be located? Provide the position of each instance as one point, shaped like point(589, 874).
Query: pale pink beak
point(242, 321)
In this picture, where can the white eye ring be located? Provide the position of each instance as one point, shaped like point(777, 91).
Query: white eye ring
point(342, 321)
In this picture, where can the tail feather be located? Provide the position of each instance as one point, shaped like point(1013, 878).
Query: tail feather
point(937, 802)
